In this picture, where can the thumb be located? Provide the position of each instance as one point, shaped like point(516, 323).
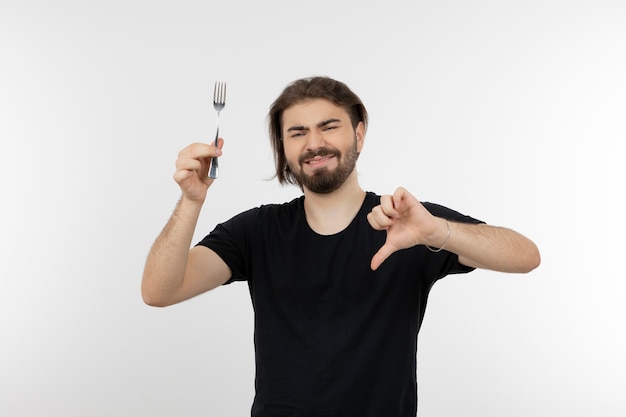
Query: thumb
point(383, 253)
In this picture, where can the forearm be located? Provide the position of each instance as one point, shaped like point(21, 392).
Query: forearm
point(165, 266)
point(490, 247)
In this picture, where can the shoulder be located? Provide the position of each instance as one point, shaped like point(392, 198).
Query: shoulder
point(255, 222)
point(371, 199)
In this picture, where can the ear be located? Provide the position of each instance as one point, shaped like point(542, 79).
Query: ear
point(359, 133)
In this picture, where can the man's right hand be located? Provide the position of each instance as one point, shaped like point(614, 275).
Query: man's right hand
point(192, 169)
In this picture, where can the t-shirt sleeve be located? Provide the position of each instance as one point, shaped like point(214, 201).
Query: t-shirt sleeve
point(230, 240)
point(449, 214)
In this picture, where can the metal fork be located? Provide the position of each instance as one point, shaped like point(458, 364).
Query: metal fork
point(219, 101)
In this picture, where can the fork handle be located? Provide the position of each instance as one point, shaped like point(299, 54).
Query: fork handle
point(214, 169)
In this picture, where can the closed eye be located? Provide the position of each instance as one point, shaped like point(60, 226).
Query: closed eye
point(296, 131)
point(329, 124)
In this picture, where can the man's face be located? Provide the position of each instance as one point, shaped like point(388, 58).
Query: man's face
point(321, 146)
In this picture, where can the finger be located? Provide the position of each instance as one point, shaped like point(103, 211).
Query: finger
point(387, 205)
point(196, 157)
point(195, 150)
point(202, 150)
point(220, 144)
point(379, 257)
point(379, 220)
point(188, 164)
point(191, 167)
point(181, 175)
point(403, 199)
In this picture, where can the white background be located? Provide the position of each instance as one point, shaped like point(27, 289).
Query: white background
point(510, 111)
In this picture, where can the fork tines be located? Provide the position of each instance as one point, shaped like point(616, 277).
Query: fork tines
point(219, 92)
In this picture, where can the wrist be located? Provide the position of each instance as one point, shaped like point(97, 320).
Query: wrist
point(187, 204)
point(441, 238)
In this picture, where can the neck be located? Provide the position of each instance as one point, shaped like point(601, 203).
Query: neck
point(331, 213)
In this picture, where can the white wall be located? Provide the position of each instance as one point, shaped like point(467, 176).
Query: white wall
point(510, 111)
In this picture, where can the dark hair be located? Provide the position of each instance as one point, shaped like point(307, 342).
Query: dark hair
point(302, 90)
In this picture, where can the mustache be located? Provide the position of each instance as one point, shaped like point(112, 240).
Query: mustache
point(318, 152)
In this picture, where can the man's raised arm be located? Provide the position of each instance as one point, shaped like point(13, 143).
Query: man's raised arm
point(173, 272)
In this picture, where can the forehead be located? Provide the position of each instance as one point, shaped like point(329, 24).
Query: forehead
point(311, 112)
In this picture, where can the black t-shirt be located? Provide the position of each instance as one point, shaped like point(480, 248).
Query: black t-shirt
point(332, 337)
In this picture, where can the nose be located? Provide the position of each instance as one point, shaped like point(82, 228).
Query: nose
point(315, 140)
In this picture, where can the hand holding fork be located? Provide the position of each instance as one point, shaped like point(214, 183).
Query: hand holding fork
point(219, 101)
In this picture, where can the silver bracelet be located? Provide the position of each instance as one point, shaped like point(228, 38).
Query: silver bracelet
point(445, 242)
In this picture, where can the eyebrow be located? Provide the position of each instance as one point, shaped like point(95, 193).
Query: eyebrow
point(320, 124)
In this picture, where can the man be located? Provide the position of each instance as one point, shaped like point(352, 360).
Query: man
point(339, 278)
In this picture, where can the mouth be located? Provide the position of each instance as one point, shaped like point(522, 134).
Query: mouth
point(319, 160)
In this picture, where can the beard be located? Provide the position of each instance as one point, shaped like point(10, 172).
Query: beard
point(323, 180)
